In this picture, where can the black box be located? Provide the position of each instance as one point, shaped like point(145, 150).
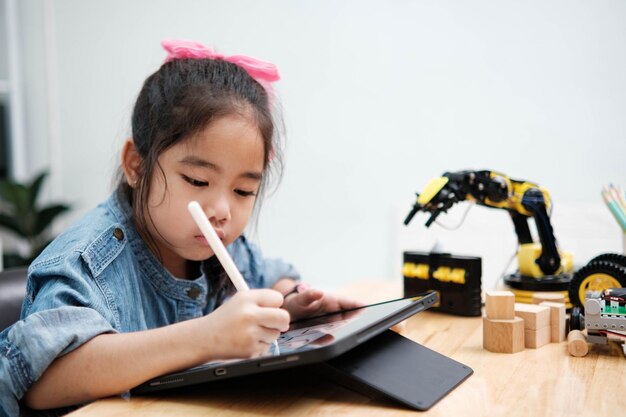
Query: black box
point(457, 279)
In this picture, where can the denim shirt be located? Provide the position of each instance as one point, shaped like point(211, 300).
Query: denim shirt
point(100, 277)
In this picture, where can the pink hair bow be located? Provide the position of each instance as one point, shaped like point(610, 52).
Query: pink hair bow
point(262, 71)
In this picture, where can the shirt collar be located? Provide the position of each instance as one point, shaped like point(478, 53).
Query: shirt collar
point(151, 269)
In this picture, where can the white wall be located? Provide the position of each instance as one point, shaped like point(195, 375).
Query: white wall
point(378, 98)
point(4, 67)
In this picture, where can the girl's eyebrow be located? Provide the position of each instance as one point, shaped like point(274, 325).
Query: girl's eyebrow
point(199, 162)
point(202, 163)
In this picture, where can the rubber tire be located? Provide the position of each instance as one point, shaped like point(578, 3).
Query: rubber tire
point(597, 267)
point(576, 319)
point(615, 258)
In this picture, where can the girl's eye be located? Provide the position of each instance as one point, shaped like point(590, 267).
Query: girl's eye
point(195, 183)
point(245, 193)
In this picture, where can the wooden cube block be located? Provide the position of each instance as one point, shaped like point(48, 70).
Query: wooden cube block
point(557, 321)
point(554, 297)
point(503, 336)
point(536, 338)
point(535, 316)
point(499, 305)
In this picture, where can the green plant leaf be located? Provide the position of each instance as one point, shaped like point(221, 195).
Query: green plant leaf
point(19, 213)
point(12, 260)
point(6, 190)
point(17, 196)
point(46, 216)
point(35, 187)
point(10, 223)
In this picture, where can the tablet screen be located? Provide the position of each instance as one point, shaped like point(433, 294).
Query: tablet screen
point(323, 330)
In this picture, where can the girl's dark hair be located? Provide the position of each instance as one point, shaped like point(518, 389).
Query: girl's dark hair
point(178, 101)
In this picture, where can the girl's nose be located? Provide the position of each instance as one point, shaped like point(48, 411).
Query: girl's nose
point(219, 210)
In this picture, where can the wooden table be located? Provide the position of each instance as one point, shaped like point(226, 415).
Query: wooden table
point(535, 382)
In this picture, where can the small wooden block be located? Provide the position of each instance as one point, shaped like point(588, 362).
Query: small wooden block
point(577, 343)
point(535, 316)
point(557, 321)
point(499, 305)
point(536, 338)
point(503, 336)
point(555, 297)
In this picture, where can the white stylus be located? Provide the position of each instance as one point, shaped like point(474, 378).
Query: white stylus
point(219, 249)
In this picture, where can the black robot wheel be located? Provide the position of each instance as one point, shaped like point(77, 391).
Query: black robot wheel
point(615, 258)
point(576, 320)
point(595, 276)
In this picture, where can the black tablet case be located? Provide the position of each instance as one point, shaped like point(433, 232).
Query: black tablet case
point(399, 368)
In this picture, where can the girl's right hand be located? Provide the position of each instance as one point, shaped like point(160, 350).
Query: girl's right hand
point(245, 326)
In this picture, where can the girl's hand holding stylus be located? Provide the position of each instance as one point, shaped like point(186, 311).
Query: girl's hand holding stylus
point(246, 325)
point(307, 302)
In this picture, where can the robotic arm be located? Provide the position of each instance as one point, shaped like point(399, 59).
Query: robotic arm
point(522, 199)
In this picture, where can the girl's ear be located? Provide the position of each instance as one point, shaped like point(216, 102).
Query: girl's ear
point(131, 163)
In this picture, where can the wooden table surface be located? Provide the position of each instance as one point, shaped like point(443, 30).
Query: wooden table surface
point(535, 382)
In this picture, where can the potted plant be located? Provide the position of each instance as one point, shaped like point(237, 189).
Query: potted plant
point(21, 215)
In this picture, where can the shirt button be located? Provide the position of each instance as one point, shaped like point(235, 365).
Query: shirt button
point(118, 233)
point(193, 292)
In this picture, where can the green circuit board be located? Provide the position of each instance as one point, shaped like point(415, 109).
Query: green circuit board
point(614, 310)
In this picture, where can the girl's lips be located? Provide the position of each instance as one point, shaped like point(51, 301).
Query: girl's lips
point(220, 234)
point(201, 239)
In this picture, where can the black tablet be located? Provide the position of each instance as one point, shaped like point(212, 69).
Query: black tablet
point(307, 341)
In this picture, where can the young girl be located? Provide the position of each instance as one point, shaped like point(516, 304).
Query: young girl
point(133, 291)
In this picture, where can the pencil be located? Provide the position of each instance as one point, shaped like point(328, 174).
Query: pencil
point(217, 246)
point(220, 251)
point(618, 196)
point(614, 207)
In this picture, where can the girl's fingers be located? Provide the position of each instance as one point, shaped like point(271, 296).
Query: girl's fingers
point(347, 304)
point(274, 318)
point(268, 336)
point(261, 297)
point(266, 297)
point(309, 296)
